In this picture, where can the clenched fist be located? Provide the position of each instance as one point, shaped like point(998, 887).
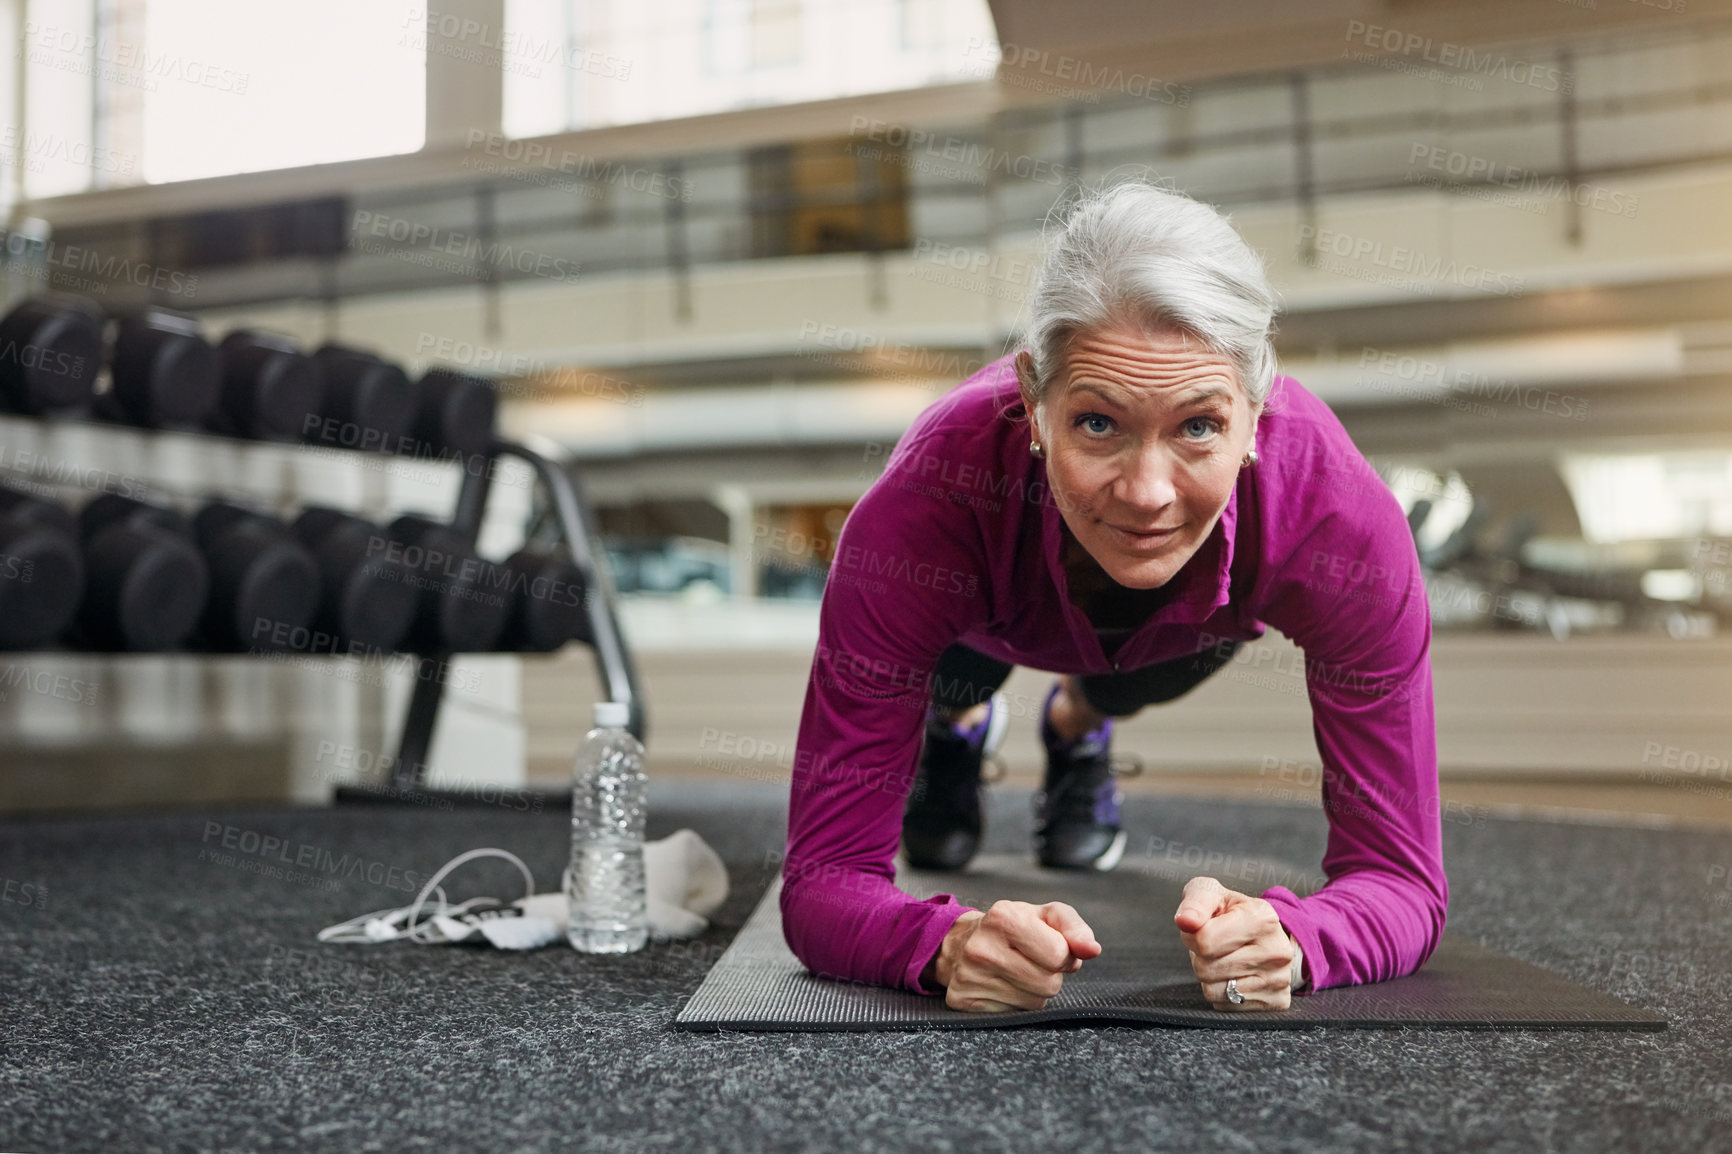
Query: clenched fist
point(1234, 935)
point(1013, 956)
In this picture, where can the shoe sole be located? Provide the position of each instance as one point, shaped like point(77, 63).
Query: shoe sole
point(1108, 859)
point(997, 725)
point(939, 865)
point(1114, 852)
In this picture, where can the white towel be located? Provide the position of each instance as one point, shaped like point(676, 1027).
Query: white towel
point(684, 881)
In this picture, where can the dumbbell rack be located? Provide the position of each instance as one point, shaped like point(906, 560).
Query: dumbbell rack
point(162, 372)
point(577, 530)
point(576, 522)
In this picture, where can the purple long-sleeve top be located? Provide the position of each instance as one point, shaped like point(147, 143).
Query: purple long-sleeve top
point(959, 540)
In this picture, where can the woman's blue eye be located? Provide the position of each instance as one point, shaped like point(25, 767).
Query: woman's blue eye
point(1209, 425)
point(1094, 417)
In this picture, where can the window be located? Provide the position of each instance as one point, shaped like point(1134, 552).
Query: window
point(1649, 496)
point(164, 90)
point(827, 196)
point(775, 33)
point(632, 61)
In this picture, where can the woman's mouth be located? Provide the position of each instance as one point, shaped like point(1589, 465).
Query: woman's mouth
point(1140, 539)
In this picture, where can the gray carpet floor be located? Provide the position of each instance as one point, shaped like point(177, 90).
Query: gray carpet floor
point(154, 999)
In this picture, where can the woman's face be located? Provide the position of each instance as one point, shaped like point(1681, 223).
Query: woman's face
point(1143, 436)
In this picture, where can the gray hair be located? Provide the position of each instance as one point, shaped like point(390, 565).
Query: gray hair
point(1154, 257)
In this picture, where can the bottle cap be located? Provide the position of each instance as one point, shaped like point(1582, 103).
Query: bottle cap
point(612, 714)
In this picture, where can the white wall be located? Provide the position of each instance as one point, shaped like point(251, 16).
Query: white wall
point(1506, 704)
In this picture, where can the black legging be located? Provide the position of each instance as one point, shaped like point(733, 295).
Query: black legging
point(965, 677)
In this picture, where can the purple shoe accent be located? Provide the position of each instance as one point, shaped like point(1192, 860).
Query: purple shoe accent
point(1063, 758)
point(1058, 746)
point(1107, 803)
point(975, 735)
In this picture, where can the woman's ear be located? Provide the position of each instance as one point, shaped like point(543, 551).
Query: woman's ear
point(1024, 364)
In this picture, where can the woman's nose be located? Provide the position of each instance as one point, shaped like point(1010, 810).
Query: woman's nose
point(1147, 482)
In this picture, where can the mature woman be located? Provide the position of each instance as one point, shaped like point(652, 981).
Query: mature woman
point(1122, 502)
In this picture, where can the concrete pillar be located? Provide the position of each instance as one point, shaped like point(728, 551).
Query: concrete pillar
point(465, 77)
point(12, 163)
point(737, 503)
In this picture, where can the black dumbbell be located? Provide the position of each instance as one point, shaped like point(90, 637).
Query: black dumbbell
point(549, 602)
point(265, 585)
point(41, 572)
point(165, 373)
point(111, 508)
point(271, 391)
point(368, 402)
point(367, 599)
point(465, 601)
point(145, 582)
point(454, 414)
point(50, 354)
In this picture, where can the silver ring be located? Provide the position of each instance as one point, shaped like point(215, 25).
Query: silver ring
point(1233, 994)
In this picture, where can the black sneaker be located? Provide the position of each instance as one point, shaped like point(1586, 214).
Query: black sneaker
point(942, 824)
point(1077, 813)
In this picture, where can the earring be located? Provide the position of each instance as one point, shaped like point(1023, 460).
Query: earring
point(1250, 458)
point(1034, 447)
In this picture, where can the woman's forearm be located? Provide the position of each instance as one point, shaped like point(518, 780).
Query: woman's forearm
point(1364, 926)
point(857, 926)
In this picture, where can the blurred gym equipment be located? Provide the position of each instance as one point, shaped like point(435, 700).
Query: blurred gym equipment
point(50, 355)
point(367, 601)
point(368, 403)
point(548, 603)
point(454, 414)
point(165, 373)
point(465, 601)
point(264, 583)
point(146, 583)
point(271, 391)
point(41, 572)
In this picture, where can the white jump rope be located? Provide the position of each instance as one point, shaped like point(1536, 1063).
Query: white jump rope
point(684, 879)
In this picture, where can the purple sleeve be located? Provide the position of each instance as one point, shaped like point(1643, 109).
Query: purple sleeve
point(842, 914)
point(1367, 641)
point(889, 609)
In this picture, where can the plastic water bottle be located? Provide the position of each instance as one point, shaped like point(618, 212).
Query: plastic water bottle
point(608, 910)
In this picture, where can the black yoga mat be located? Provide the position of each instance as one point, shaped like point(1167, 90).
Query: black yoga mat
point(1143, 974)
